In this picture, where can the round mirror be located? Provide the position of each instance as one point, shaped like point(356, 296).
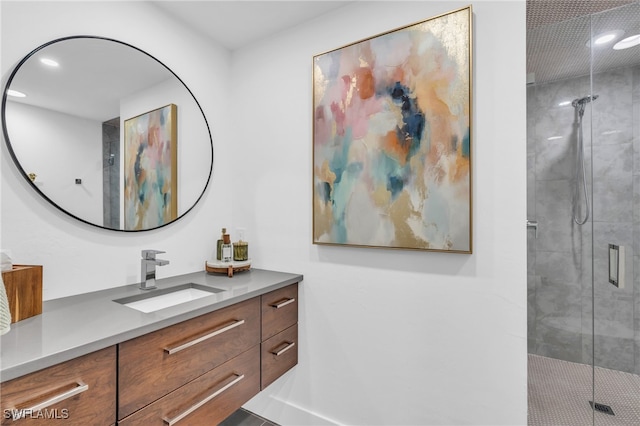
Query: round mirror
point(107, 133)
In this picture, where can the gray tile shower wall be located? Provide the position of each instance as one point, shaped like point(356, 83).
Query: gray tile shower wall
point(561, 300)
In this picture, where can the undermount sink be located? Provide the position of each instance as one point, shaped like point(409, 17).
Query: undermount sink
point(167, 297)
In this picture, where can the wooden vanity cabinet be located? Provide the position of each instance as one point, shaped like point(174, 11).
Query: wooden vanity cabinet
point(202, 370)
point(207, 400)
point(84, 388)
point(279, 347)
point(279, 310)
point(195, 372)
point(278, 355)
point(155, 364)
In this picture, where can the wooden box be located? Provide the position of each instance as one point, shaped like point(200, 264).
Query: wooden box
point(24, 291)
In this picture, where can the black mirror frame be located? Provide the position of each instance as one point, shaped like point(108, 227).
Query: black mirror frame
point(32, 184)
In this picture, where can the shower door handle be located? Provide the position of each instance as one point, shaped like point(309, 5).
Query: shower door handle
point(533, 224)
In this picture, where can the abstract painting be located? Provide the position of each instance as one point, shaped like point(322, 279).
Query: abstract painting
point(150, 169)
point(392, 139)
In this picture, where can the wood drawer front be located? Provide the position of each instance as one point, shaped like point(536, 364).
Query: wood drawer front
point(86, 387)
point(279, 310)
point(148, 371)
point(224, 389)
point(279, 354)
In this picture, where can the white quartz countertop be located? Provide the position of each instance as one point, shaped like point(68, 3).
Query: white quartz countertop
point(73, 326)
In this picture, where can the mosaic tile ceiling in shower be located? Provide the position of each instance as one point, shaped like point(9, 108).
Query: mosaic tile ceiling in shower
point(557, 33)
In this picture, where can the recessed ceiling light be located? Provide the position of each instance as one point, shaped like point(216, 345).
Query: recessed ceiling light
point(15, 93)
point(604, 38)
point(49, 62)
point(553, 138)
point(628, 42)
point(565, 103)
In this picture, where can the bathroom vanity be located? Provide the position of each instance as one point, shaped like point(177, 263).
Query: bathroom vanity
point(89, 359)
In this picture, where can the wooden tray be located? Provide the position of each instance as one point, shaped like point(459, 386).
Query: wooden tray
point(228, 268)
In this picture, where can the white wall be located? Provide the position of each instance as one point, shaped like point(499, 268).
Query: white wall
point(391, 337)
point(77, 257)
point(59, 148)
point(386, 337)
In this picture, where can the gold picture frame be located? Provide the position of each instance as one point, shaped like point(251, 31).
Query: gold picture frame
point(392, 139)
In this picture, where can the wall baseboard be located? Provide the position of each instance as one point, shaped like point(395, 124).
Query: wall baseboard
point(274, 408)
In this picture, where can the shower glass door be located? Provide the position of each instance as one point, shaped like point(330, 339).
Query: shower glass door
point(583, 206)
point(560, 298)
point(615, 169)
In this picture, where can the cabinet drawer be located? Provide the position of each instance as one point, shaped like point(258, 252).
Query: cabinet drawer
point(279, 310)
point(207, 400)
point(77, 392)
point(155, 364)
point(279, 354)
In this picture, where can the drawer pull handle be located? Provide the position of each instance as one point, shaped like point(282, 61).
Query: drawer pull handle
point(283, 350)
point(23, 412)
point(215, 333)
point(283, 303)
point(194, 407)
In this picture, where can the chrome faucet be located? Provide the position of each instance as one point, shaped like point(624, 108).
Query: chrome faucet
point(148, 268)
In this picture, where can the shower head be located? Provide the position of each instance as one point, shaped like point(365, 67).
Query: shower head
point(583, 101)
point(580, 103)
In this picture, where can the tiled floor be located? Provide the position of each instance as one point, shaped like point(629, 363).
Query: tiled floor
point(559, 394)
point(560, 391)
point(243, 417)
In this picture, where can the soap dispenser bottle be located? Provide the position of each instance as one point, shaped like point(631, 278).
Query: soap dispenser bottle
point(241, 247)
point(226, 248)
point(219, 246)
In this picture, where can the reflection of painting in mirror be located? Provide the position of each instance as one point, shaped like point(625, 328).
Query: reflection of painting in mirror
point(391, 139)
point(150, 169)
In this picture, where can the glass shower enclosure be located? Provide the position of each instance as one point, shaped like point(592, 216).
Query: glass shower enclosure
point(583, 207)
